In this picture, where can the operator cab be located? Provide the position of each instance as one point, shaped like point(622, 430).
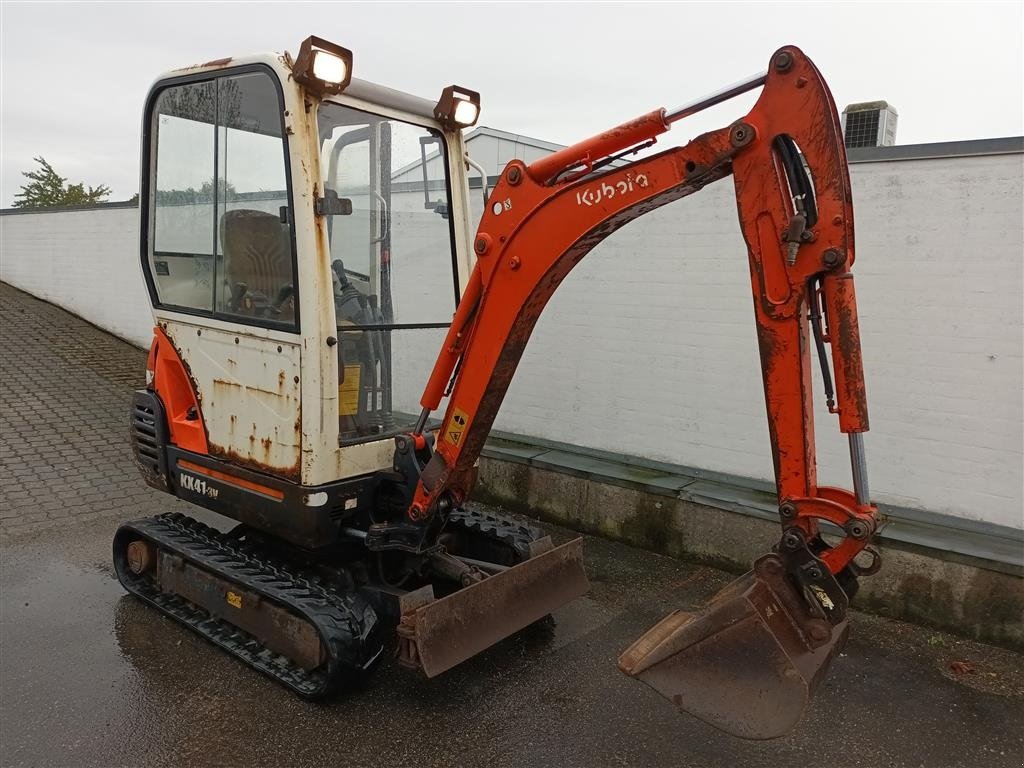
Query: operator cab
point(304, 243)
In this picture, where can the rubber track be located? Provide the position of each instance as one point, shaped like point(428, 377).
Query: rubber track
point(503, 528)
point(346, 622)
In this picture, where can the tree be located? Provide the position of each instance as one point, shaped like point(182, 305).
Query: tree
point(47, 189)
point(225, 192)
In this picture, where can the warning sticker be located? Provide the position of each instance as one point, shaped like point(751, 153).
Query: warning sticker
point(234, 599)
point(457, 426)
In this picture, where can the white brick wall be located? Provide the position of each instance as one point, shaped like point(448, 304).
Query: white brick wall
point(85, 261)
point(648, 348)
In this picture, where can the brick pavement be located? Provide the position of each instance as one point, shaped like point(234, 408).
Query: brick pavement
point(90, 677)
point(64, 404)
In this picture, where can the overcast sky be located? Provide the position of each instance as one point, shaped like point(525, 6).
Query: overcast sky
point(74, 76)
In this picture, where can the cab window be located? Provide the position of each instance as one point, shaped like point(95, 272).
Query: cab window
point(392, 263)
point(221, 239)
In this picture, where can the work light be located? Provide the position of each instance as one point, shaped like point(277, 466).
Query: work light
point(323, 67)
point(329, 68)
point(457, 108)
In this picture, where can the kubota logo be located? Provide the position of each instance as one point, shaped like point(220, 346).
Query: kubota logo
point(198, 485)
point(608, 190)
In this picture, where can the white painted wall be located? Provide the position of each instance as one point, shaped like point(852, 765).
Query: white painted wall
point(85, 261)
point(648, 348)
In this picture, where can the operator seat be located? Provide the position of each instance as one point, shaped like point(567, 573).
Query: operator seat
point(257, 263)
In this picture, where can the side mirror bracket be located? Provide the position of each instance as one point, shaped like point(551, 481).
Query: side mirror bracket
point(332, 205)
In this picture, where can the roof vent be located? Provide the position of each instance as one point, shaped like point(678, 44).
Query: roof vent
point(869, 124)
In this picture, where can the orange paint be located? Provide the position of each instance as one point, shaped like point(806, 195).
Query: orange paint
point(526, 246)
point(584, 154)
point(174, 387)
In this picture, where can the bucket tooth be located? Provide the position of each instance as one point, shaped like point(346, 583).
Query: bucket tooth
point(747, 662)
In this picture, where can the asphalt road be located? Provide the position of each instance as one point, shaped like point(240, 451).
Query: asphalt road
point(90, 677)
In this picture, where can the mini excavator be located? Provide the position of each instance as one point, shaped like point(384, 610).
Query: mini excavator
point(307, 244)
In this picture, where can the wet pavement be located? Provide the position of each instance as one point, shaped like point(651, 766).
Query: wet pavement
point(90, 677)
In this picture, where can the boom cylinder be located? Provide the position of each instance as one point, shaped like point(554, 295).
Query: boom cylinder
point(587, 152)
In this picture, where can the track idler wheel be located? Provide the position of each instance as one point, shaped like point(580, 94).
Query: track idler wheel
point(141, 557)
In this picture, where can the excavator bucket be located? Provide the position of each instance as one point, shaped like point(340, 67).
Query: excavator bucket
point(747, 662)
point(435, 635)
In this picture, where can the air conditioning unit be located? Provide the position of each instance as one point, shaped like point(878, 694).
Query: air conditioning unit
point(869, 124)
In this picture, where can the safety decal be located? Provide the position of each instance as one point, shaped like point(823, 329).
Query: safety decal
point(234, 599)
point(457, 426)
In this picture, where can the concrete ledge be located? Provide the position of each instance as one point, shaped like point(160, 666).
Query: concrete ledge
point(967, 579)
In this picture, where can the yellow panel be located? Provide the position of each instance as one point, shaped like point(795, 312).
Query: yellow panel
point(348, 391)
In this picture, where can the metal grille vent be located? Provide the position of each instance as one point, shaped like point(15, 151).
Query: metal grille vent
point(147, 449)
point(148, 436)
point(862, 129)
point(870, 124)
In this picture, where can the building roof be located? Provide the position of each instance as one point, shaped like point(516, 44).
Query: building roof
point(1007, 145)
point(515, 138)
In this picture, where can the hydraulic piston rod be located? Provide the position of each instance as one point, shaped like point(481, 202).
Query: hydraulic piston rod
point(642, 129)
point(858, 461)
point(717, 97)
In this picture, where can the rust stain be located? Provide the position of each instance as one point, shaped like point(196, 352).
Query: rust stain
point(262, 447)
point(214, 64)
point(850, 361)
point(291, 472)
point(234, 385)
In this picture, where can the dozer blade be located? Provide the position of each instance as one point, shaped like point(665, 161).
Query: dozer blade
point(747, 662)
point(442, 633)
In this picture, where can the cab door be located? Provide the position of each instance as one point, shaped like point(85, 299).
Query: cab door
point(218, 251)
point(394, 263)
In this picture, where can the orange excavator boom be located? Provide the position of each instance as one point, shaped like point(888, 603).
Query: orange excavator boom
point(795, 209)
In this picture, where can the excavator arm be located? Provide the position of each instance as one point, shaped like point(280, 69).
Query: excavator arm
point(798, 225)
point(793, 196)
